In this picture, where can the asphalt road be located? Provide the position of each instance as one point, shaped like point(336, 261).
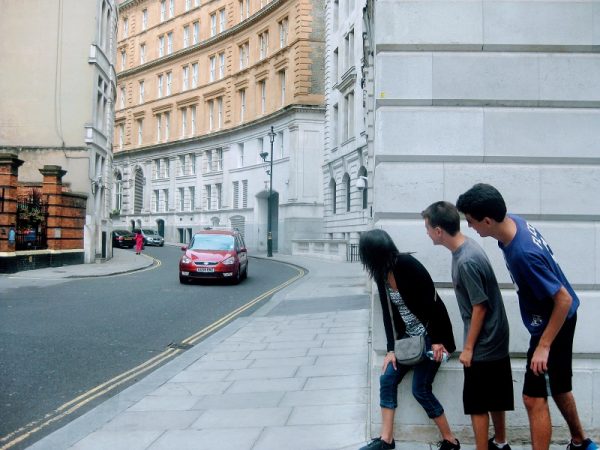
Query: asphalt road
point(61, 339)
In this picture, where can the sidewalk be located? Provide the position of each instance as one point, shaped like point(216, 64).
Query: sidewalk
point(292, 375)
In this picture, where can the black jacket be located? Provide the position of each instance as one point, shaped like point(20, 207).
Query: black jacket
point(418, 292)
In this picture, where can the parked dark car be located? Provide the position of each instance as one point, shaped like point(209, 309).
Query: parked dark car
point(218, 254)
point(151, 237)
point(123, 238)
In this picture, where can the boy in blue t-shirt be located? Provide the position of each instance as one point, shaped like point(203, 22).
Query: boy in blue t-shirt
point(548, 306)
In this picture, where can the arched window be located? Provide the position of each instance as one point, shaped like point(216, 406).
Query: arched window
point(346, 181)
point(333, 195)
point(118, 199)
point(138, 199)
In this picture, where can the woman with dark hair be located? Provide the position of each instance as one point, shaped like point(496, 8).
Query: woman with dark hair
point(406, 289)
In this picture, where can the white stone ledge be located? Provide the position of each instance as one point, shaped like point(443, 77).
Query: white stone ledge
point(515, 48)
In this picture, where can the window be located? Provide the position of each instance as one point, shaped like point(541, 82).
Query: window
point(159, 87)
point(171, 8)
point(212, 68)
point(141, 90)
point(260, 144)
point(142, 53)
point(144, 19)
point(244, 193)
point(161, 46)
point(347, 186)
point(118, 192)
point(282, 86)
point(211, 114)
point(241, 8)
point(236, 193)
point(188, 4)
point(218, 192)
point(102, 105)
point(222, 20)
point(183, 122)
point(193, 120)
point(163, 10)
point(208, 196)
point(121, 135)
point(155, 195)
point(123, 59)
point(196, 34)
point(219, 112)
point(164, 198)
point(335, 64)
point(263, 41)
point(280, 143)
point(186, 36)
point(332, 189)
point(140, 131)
point(221, 65)
point(349, 50)
point(283, 32)
point(242, 104)
point(185, 78)
point(169, 43)
point(263, 95)
point(169, 80)
point(348, 116)
point(240, 147)
point(192, 197)
point(244, 51)
point(158, 128)
point(247, 8)
point(125, 27)
point(334, 126)
point(196, 3)
point(160, 168)
point(167, 125)
point(213, 24)
point(122, 97)
point(181, 198)
point(194, 75)
point(218, 159)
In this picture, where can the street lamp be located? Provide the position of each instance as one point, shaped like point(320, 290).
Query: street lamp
point(264, 155)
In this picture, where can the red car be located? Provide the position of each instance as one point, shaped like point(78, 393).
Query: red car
point(212, 253)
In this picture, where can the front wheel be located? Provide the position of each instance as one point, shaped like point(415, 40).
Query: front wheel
point(183, 280)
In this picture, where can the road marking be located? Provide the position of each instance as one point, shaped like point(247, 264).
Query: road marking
point(73, 405)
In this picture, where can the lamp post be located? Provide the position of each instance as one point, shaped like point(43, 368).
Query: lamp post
point(264, 155)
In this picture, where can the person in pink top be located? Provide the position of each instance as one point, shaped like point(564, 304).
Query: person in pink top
point(139, 242)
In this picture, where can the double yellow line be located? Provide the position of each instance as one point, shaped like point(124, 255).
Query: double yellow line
point(28, 430)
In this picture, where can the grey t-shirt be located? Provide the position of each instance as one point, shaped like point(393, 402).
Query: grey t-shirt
point(475, 283)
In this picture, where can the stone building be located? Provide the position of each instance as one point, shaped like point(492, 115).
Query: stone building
point(58, 84)
point(200, 86)
point(503, 92)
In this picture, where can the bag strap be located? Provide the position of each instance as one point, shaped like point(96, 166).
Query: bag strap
point(426, 325)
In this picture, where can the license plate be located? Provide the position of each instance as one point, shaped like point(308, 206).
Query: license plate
point(205, 269)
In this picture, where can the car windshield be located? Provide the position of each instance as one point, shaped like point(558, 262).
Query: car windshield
point(212, 242)
point(121, 232)
point(149, 232)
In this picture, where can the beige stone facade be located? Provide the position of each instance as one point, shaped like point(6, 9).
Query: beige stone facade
point(197, 83)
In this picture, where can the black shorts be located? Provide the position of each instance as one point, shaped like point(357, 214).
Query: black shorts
point(560, 363)
point(488, 387)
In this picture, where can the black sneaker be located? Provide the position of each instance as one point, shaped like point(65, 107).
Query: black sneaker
point(447, 445)
point(379, 444)
point(588, 444)
point(492, 446)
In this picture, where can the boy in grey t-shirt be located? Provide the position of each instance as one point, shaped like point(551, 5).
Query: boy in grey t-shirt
point(488, 388)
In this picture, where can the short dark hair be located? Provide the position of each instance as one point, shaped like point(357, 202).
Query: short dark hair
point(378, 253)
point(482, 200)
point(444, 215)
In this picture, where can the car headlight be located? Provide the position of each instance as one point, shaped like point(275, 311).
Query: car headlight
point(186, 260)
point(229, 261)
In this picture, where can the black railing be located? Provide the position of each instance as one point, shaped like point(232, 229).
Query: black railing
point(352, 253)
point(32, 217)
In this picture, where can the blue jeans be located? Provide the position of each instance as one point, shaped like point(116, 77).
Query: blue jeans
point(423, 376)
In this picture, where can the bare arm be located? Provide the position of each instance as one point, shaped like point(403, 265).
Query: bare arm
point(479, 312)
point(562, 304)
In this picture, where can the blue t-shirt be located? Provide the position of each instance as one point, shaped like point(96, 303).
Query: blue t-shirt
point(536, 274)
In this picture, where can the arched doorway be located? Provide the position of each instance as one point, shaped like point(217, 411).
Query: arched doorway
point(263, 198)
point(160, 225)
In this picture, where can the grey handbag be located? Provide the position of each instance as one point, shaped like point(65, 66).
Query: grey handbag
point(410, 351)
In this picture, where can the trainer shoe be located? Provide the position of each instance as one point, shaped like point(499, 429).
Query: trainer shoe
point(379, 444)
point(447, 445)
point(587, 444)
point(493, 446)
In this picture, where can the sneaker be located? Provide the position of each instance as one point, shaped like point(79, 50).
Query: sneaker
point(492, 446)
point(379, 444)
point(447, 445)
point(588, 444)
